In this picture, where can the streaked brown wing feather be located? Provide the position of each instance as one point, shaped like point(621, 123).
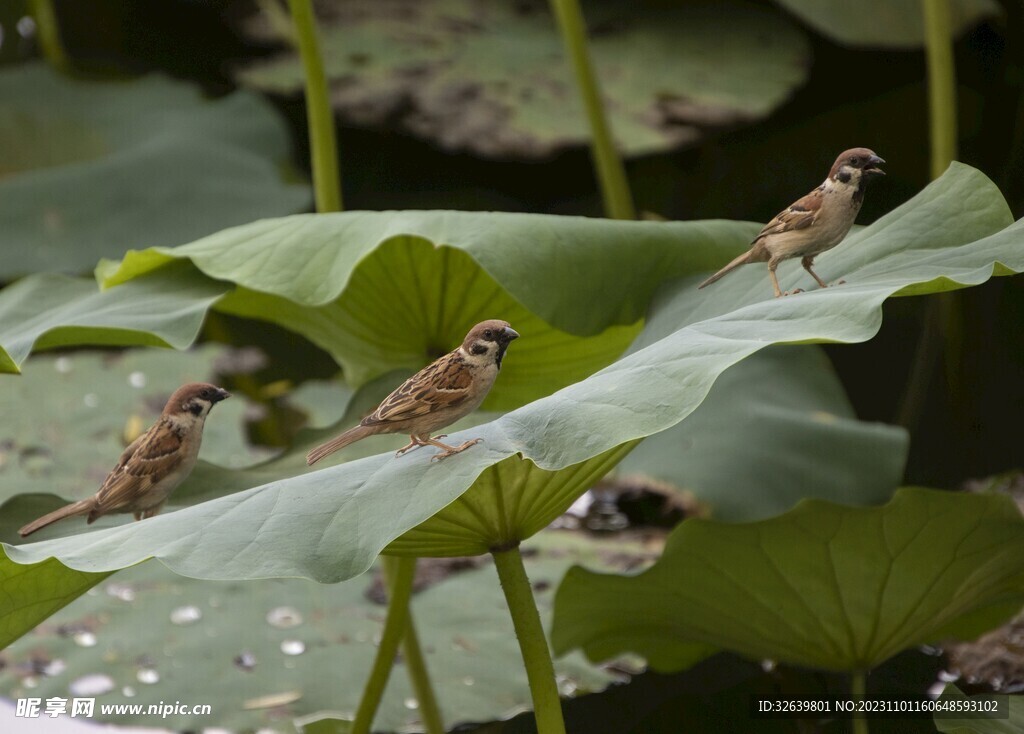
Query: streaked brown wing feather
point(443, 384)
point(149, 458)
point(800, 215)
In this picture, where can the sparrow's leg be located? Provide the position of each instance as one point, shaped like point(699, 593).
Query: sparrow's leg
point(143, 514)
point(449, 450)
point(772, 264)
point(152, 511)
point(414, 443)
point(807, 262)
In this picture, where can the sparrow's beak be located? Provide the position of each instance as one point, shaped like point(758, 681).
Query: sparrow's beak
point(222, 394)
point(510, 334)
point(872, 166)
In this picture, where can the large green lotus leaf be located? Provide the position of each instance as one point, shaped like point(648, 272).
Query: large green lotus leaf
point(614, 266)
point(91, 169)
point(164, 309)
point(888, 23)
point(493, 78)
point(822, 586)
point(243, 630)
point(951, 723)
point(329, 524)
point(444, 293)
point(67, 418)
point(785, 412)
point(394, 290)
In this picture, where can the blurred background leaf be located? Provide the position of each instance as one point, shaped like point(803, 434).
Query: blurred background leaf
point(885, 23)
point(48, 311)
point(95, 168)
point(492, 78)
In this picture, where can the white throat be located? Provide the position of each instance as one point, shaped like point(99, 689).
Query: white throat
point(835, 185)
point(186, 421)
point(478, 360)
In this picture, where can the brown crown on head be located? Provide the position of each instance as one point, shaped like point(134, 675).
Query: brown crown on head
point(863, 159)
point(192, 390)
point(492, 330)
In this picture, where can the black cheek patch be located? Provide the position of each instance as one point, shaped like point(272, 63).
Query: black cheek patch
point(195, 408)
point(478, 349)
point(844, 176)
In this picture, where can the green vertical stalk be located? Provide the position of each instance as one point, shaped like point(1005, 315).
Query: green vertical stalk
point(49, 34)
point(401, 573)
point(858, 686)
point(942, 311)
point(430, 713)
point(938, 28)
point(540, 671)
point(323, 148)
point(611, 174)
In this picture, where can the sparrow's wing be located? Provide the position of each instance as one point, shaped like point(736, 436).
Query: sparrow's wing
point(801, 214)
point(149, 458)
point(444, 384)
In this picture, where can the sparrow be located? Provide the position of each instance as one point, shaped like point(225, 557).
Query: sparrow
point(153, 465)
point(815, 223)
point(441, 393)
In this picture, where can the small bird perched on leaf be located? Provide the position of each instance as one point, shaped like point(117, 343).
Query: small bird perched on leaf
point(153, 465)
point(815, 223)
point(438, 395)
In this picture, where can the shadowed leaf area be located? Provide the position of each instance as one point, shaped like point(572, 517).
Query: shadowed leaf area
point(822, 586)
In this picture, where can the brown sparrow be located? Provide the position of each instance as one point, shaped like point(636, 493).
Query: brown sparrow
point(436, 396)
point(815, 223)
point(153, 465)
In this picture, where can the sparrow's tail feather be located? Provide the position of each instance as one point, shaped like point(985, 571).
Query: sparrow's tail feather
point(82, 507)
point(740, 260)
point(338, 442)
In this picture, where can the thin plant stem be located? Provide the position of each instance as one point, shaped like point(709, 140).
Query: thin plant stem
point(938, 29)
point(611, 173)
point(323, 147)
point(942, 310)
point(401, 573)
point(858, 685)
point(430, 713)
point(49, 34)
point(540, 671)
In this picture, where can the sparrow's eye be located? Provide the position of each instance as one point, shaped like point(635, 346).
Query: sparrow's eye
point(854, 160)
point(488, 334)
